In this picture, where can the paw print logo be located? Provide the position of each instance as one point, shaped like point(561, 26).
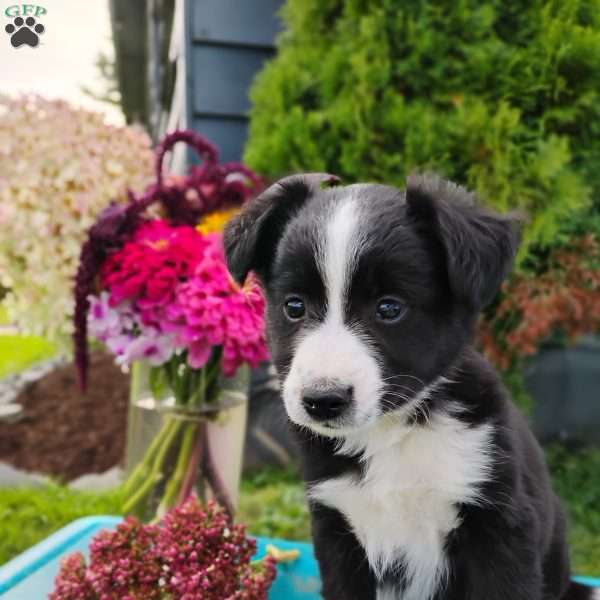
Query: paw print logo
point(24, 31)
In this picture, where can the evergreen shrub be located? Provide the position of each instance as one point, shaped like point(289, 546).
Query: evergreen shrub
point(503, 97)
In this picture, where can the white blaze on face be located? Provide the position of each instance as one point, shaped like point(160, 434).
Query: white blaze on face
point(335, 351)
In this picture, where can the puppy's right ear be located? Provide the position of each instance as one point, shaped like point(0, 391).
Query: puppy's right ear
point(251, 237)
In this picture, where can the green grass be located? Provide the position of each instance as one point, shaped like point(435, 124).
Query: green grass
point(272, 504)
point(20, 352)
point(29, 515)
point(576, 475)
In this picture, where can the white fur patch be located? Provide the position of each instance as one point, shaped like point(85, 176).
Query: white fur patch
point(339, 252)
point(388, 593)
point(334, 351)
point(404, 508)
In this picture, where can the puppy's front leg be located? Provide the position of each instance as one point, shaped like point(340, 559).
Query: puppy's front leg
point(344, 568)
point(494, 583)
point(500, 562)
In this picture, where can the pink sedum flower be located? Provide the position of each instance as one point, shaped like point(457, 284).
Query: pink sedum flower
point(195, 553)
point(72, 582)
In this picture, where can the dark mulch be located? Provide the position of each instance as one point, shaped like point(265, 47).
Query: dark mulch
point(65, 433)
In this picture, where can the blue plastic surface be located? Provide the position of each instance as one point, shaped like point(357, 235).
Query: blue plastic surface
point(30, 576)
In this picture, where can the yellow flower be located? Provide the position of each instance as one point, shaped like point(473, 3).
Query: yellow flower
point(216, 221)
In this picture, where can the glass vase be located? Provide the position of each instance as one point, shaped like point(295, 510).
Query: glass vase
point(174, 450)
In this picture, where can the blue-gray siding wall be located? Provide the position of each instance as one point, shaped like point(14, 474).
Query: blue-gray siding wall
point(228, 42)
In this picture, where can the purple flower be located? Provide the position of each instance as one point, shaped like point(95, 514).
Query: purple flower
point(103, 321)
point(152, 346)
point(126, 335)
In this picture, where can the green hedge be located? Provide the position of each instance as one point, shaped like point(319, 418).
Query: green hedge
point(501, 96)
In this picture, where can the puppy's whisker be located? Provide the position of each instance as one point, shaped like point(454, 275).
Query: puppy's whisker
point(403, 387)
point(389, 385)
point(398, 395)
point(406, 376)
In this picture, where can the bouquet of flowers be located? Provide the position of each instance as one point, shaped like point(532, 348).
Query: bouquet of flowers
point(156, 289)
point(194, 553)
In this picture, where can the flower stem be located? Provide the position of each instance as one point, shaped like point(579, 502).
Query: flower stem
point(140, 473)
point(191, 474)
point(193, 389)
point(131, 505)
point(156, 473)
point(215, 481)
point(183, 460)
point(208, 377)
point(190, 454)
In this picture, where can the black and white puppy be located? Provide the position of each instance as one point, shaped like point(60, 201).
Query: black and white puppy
point(424, 480)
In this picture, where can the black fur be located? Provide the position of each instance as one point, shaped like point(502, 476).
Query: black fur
point(252, 238)
point(446, 257)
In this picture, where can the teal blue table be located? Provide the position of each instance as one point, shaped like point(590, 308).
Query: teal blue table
point(30, 576)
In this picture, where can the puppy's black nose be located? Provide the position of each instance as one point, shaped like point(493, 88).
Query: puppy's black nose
point(327, 404)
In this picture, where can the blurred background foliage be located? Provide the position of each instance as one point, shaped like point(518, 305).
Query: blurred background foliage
point(503, 97)
point(55, 178)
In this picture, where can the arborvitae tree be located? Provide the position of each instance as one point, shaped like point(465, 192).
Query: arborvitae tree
point(503, 96)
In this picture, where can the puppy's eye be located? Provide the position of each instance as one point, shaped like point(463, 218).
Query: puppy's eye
point(390, 310)
point(294, 308)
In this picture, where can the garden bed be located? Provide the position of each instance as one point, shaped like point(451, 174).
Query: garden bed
point(64, 433)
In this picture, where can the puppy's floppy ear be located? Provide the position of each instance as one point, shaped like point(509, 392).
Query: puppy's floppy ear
point(251, 237)
point(479, 245)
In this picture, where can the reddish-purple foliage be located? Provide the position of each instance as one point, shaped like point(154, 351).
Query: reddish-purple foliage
point(195, 553)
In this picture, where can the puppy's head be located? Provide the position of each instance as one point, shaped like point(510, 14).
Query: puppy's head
point(372, 292)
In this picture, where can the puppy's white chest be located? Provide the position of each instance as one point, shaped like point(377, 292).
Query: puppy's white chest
point(403, 508)
point(396, 524)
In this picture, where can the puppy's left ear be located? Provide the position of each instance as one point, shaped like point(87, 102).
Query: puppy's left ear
point(252, 236)
point(479, 245)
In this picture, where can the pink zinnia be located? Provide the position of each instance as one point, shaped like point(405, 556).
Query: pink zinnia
point(212, 310)
point(149, 268)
